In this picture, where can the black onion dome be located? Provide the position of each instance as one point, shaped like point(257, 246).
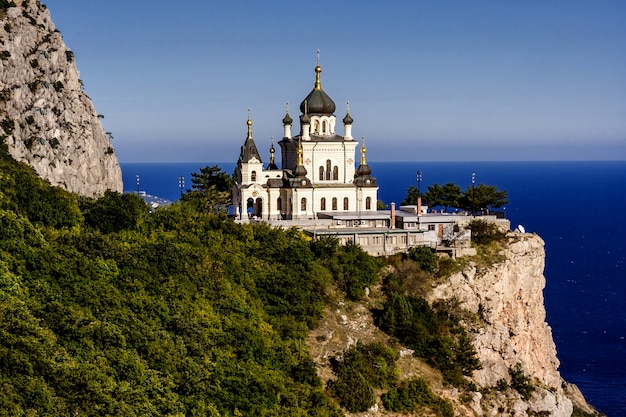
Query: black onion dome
point(287, 120)
point(305, 119)
point(363, 171)
point(348, 119)
point(300, 171)
point(317, 102)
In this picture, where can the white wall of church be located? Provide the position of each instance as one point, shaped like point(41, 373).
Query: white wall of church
point(340, 154)
point(250, 172)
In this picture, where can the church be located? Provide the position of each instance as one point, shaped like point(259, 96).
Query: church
point(320, 189)
point(317, 177)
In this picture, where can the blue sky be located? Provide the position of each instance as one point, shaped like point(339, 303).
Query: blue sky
point(426, 80)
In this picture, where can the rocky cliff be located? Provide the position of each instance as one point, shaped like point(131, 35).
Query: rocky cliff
point(46, 118)
point(511, 333)
point(506, 322)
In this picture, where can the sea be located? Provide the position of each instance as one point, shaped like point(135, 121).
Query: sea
point(578, 209)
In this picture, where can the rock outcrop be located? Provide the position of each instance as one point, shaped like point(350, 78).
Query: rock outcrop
point(46, 118)
point(505, 319)
point(511, 332)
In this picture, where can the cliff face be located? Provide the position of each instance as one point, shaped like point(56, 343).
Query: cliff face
point(508, 331)
point(46, 118)
point(511, 331)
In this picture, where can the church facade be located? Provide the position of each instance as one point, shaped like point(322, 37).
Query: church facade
point(318, 176)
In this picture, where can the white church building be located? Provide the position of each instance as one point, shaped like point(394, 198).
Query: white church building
point(317, 176)
point(320, 189)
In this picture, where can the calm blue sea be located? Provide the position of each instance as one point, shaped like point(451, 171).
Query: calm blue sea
point(578, 208)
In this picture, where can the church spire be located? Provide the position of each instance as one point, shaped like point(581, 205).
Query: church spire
point(287, 121)
point(249, 123)
point(363, 150)
point(347, 123)
point(249, 149)
point(318, 71)
point(362, 177)
point(272, 165)
point(300, 171)
point(299, 153)
point(318, 101)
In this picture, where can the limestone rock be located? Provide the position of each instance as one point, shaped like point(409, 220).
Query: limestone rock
point(46, 118)
point(508, 299)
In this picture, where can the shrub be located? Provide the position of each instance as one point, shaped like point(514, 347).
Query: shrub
point(520, 381)
point(411, 394)
point(424, 257)
point(484, 232)
point(353, 269)
point(363, 368)
point(353, 392)
point(433, 335)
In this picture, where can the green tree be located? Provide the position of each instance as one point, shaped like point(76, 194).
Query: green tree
point(411, 196)
point(114, 211)
point(451, 195)
point(483, 197)
point(211, 177)
point(210, 190)
point(447, 195)
point(434, 195)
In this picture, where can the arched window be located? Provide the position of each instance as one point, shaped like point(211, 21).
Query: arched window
point(323, 204)
point(335, 172)
point(303, 204)
point(328, 169)
point(253, 176)
point(368, 203)
point(279, 204)
point(321, 173)
point(345, 203)
point(334, 203)
point(324, 127)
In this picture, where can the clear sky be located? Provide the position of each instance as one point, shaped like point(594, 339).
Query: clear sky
point(426, 80)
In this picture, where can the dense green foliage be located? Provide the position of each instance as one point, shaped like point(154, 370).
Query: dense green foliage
point(409, 395)
point(23, 192)
point(114, 212)
point(434, 333)
point(363, 368)
point(107, 308)
point(352, 269)
point(424, 257)
point(113, 310)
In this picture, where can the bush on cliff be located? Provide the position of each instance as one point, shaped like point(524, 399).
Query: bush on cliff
point(433, 334)
point(412, 394)
point(362, 369)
